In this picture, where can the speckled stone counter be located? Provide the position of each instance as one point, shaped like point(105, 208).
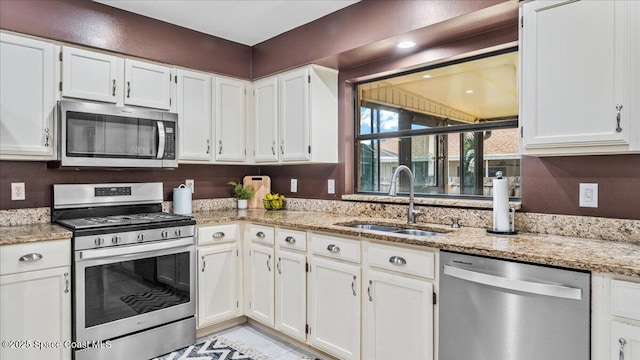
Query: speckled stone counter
point(575, 253)
point(30, 233)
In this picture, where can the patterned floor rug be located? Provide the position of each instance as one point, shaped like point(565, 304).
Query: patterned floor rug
point(214, 349)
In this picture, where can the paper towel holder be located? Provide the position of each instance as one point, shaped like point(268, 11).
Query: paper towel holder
point(512, 231)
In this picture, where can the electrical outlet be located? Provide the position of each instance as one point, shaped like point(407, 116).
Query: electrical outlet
point(331, 186)
point(190, 184)
point(18, 191)
point(294, 185)
point(588, 195)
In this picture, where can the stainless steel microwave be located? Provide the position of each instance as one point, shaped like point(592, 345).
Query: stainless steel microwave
point(102, 135)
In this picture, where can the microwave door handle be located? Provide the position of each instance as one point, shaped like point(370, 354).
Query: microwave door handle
point(161, 138)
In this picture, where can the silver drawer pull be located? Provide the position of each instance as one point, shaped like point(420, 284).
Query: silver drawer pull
point(333, 248)
point(31, 257)
point(66, 282)
point(218, 235)
point(260, 235)
point(290, 239)
point(397, 260)
point(622, 342)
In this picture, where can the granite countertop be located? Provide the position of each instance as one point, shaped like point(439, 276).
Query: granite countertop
point(31, 233)
point(575, 253)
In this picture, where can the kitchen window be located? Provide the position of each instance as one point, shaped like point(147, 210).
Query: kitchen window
point(454, 124)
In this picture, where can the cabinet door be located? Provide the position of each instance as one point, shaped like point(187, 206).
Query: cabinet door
point(391, 333)
point(294, 115)
point(27, 69)
point(230, 120)
point(147, 85)
point(334, 307)
point(261, 268)
point(625, 342)
point(194, 115)
point(36, 306)
point(265, 100)
point(90, 75)
point(574, 61)
point(218, 284)
point(291, 294)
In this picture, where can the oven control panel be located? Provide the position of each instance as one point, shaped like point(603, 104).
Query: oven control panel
point(132, 237)
point(113, 191)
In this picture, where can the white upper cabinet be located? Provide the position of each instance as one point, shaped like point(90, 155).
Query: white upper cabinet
point(91, 75)
point(265, 100)
point(296, 116)
point(27, 99)
point(230, 120)
point(194, 116)
point(576, 86)
point(147, 84)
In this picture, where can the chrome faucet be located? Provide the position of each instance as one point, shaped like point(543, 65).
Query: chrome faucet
point(393, 191)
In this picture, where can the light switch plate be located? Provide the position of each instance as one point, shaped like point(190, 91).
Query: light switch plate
point(294, 185)
point(18, 191)
point(589, 195)
point(331, 186)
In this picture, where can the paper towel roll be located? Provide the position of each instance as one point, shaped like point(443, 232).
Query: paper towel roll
point(182, 200)
point(501, 203)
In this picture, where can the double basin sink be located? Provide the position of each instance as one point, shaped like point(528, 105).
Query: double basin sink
point(391, 229)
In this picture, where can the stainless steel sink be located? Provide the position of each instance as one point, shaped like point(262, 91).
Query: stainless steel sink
point(390, 229)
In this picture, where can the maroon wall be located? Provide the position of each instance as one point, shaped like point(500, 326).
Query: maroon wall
point(550, 185)
point(104, 27)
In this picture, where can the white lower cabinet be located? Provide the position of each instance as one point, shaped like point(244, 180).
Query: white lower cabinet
point(397, 317)
point(625, 341)
point(334, 297)
point(291, 283)
point(35, 301)
point(261, 301)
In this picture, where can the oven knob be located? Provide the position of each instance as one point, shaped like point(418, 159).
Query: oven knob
point(165, 233)
point(178, 232)
point(140, 236)
point(99, 241)
point(116, 240)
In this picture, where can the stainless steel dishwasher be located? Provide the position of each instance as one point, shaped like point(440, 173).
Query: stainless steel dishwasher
point(493, 309)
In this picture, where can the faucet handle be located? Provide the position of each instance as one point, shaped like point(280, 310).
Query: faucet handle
point(454, 221)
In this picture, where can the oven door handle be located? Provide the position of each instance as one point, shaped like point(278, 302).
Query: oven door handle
point(131, 251)
point(161, 138)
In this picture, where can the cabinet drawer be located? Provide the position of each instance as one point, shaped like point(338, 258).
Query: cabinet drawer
point(217, 234)
point(402, 260)
point(334, 247)
point(259, 234)
point(291, 239)
point(625, 299)
point(50, 254)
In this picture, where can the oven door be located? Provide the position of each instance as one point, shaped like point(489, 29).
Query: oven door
point(124, 289)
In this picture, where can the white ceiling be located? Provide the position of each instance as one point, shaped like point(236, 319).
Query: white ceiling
point(248, 22)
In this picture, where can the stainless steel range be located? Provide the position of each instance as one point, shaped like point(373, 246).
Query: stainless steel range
point(133, 270)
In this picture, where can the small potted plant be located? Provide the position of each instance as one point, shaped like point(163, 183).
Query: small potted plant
point(242, 193)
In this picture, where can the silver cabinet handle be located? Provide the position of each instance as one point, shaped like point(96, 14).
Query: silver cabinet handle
point(66, 283)
point(220, 151)
point(113, 89)
point(128, 89)
point(278, 266)
point(369, 290)
point(218, 235)
point(282, 147)
point(31, 257)
point(260, 235)
point(208, 146)
point(269, 263)
point(397, 260)
point(353, 285)
point(290, 239)
point(204, 264)
point(618, 109)
point(333, 248)
point(273, 147)
point(46, 137)
point(622, 342)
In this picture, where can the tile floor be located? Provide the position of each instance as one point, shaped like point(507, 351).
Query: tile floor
point(270, 346)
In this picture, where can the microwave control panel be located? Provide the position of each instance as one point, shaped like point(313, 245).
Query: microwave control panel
point(169, 141)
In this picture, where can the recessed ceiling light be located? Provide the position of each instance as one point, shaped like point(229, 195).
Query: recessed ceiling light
point(426, 76)
point(406, 44)
point(469, 91)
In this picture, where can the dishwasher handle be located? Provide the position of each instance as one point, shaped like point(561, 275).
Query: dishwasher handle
point(513, 284)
